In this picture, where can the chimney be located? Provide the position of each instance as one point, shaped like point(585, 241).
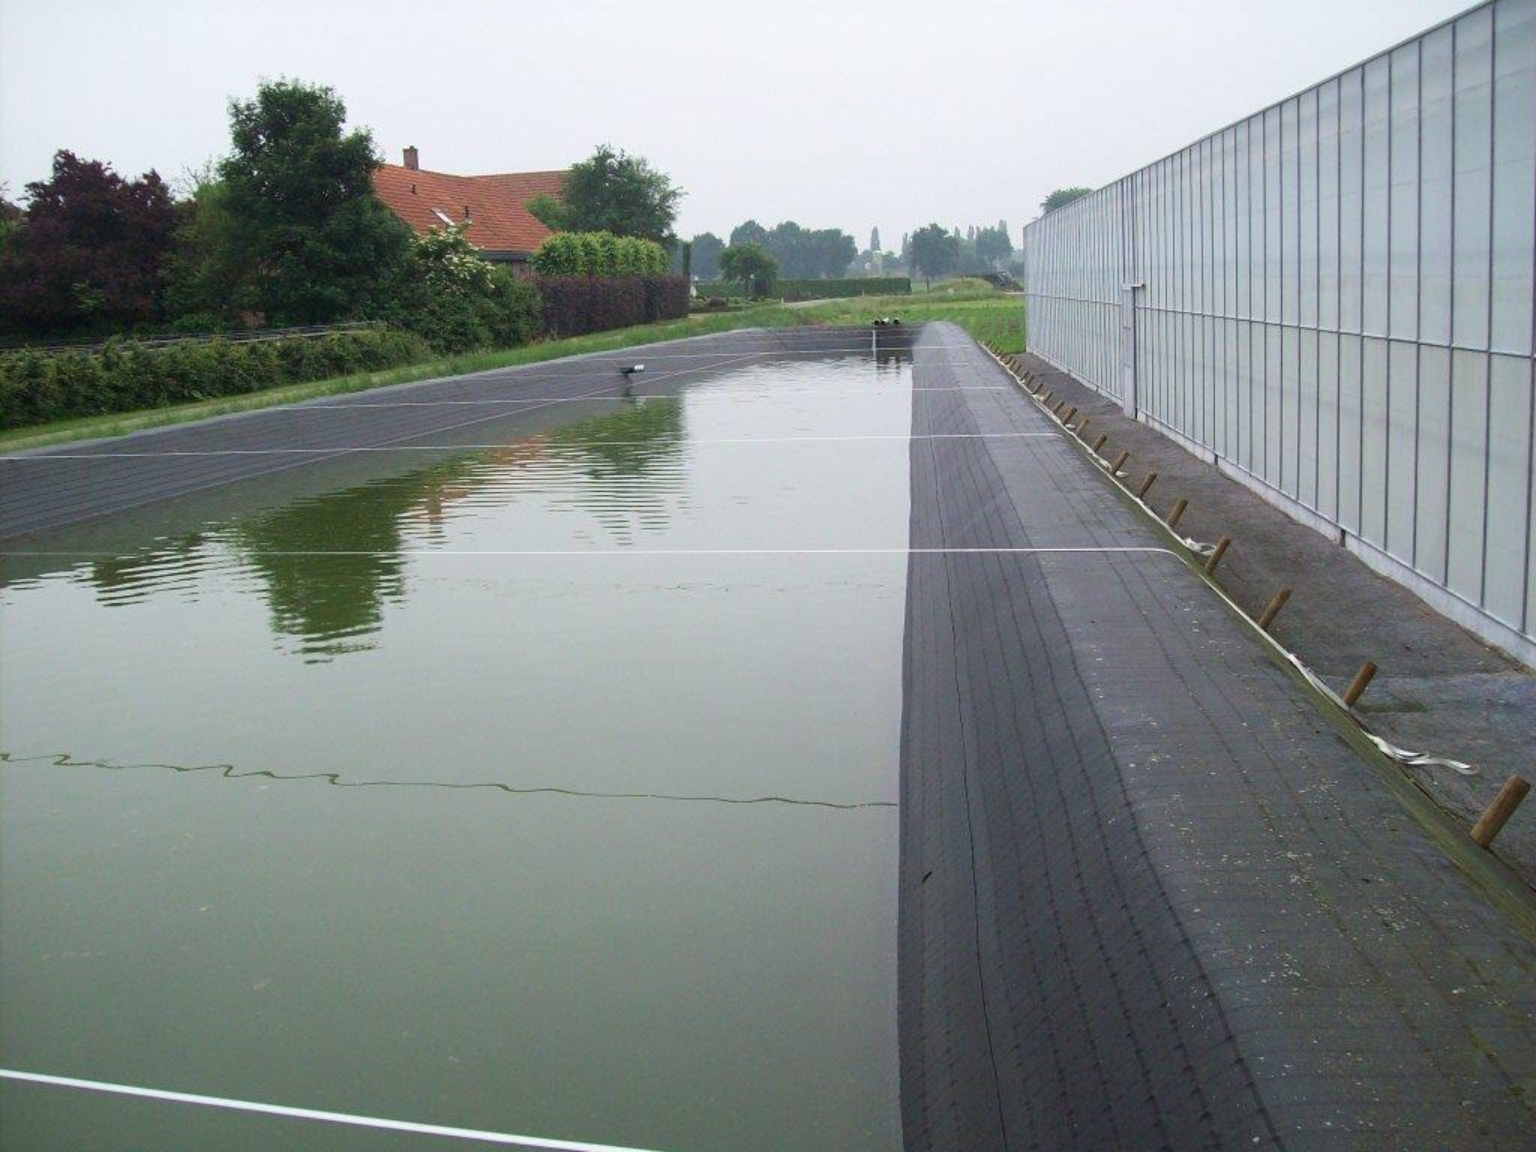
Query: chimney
point(412, 160)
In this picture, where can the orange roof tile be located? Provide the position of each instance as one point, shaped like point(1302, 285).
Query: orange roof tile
point(493, 205)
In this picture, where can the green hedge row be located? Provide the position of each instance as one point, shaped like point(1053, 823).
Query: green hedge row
point(36, 387)
point(816, 289)
point(599, 254)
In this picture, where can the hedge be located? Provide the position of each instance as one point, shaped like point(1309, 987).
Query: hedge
point(36, 387)
point(818, 289)
point(599, 254)
point(577, 305)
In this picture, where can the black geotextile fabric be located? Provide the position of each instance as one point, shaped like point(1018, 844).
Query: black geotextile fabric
point(1148, 898)
point(49, 488)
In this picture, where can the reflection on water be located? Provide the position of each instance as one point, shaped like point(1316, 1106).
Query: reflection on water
point(621, 468)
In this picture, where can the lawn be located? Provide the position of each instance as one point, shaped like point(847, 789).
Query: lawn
point(992, 317)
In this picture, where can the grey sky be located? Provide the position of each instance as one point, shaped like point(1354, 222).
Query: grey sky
point(842, 114)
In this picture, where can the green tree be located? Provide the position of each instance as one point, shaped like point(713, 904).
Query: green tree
point(993, 245)
point(968, 263)
point(831, 250)
point(706, 256)
point(752, 265)
point(1062, 197)
point(549, 211)
point(612, 191)
point(934, 252)
point(311, 240)
point(749, 232)
point(207, 269)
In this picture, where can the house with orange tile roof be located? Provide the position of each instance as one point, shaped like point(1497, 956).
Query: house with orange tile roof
point(492, 208)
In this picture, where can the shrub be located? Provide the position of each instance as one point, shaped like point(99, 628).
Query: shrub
point(506, 314)
point(36, 386)
point(456, 301)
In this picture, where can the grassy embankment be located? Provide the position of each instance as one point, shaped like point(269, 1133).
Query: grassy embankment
point(993, 318)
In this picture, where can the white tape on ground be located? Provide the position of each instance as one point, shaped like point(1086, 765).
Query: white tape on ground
point(473, 1134)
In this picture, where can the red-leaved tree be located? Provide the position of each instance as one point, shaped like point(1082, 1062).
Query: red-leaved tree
point(88, 253)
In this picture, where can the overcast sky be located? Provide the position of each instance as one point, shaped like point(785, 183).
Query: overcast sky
point(834, 114)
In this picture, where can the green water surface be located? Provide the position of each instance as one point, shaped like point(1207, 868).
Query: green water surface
point(474, 787)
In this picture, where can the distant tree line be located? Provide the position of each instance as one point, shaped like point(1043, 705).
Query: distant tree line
point(800, 253)
point(932, 252)
point(803, 254)
point(797, 253)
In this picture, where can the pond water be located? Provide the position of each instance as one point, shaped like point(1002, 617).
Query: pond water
point(502, 787)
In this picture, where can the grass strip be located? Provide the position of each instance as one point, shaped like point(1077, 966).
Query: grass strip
point(993, 318)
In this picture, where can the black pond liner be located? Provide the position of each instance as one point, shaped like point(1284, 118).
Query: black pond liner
point(1150, 897)
point(49, 488)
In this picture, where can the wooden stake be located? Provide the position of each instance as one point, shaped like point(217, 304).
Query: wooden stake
point(1358, 685)
point(1083, 427)
point(1177, 513)
point(1146, 486)
point(1114, 469)
point(1067, 419)
point(1215, 557)
point(1099, 443)
point(1274, 608)
point(1497, 814)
